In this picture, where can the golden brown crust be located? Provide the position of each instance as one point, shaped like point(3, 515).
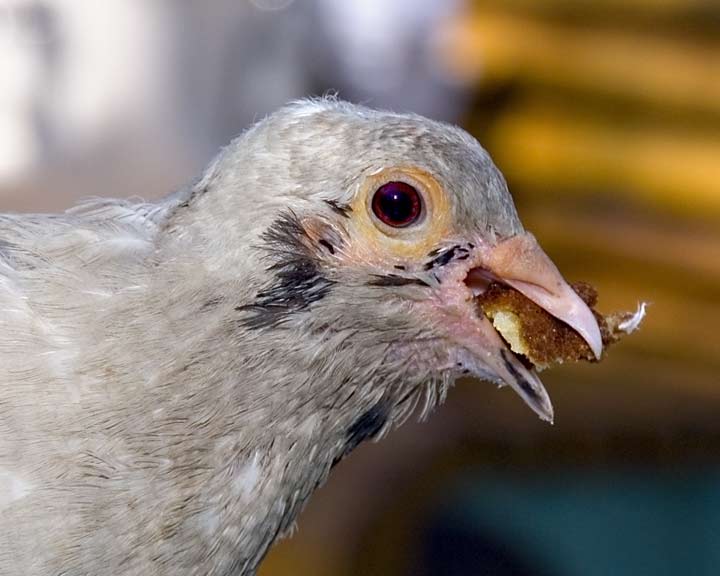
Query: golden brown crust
point(540, 337)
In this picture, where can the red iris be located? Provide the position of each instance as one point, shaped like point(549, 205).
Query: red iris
point(397, 204)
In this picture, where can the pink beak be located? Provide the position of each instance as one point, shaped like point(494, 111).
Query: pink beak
point(521, 263)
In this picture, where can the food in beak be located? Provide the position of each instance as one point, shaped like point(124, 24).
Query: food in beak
point(520, 263)
point(540, 337)
point(527, 318)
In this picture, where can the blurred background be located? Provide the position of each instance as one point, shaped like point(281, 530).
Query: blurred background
point(605, 117)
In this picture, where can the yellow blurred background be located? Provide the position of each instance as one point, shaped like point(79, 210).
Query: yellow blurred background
point(604, 115)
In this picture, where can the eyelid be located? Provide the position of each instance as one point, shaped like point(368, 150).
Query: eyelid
point(413, 241)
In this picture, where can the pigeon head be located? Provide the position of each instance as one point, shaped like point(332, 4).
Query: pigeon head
point(370, 233)
point(179, 376)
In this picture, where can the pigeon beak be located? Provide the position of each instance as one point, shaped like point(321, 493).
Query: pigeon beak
point(521, 263)
point(494, 359)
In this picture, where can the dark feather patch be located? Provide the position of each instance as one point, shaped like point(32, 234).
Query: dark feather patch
point(442, 259)
point(519, 378)
point(194, 193)
point(394, 280)
point(19, 258)
point(367, 426)
point(453, 253)
point(297, 279)
point(327, 245)
point(343, 209)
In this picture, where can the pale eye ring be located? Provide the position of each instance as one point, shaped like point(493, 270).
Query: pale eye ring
point(397, 204)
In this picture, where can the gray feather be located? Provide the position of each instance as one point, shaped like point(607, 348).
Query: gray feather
point(147, 424)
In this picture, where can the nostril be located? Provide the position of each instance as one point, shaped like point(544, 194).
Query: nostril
point(478, 279)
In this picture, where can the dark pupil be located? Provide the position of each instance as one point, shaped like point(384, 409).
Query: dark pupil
point(396, 204)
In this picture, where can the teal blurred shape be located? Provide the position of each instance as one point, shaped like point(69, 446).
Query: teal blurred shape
point(598, 523)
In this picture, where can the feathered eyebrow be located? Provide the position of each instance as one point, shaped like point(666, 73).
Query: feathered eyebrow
point(297, 280)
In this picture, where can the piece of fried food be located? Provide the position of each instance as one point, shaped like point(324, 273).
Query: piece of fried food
point(540, 337)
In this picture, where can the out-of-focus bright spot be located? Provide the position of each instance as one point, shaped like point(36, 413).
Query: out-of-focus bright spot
point(20, 73)
point(271, 5)
point(552, 148)
point(381, 42)
point(658, 70)
point(584, 7)
point(116, 64)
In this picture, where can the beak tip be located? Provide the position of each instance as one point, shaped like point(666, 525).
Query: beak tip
point(596, 345)
point(548, 416)
point(594, 337)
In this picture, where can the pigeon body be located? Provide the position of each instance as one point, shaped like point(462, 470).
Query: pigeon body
point(176, 378)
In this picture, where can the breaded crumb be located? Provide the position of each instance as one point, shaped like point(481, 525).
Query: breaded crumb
point(540, 337)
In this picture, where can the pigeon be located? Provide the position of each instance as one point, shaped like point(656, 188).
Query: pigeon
point(177, 377)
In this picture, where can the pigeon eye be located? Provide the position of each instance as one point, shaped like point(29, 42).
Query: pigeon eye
point(397, 204)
